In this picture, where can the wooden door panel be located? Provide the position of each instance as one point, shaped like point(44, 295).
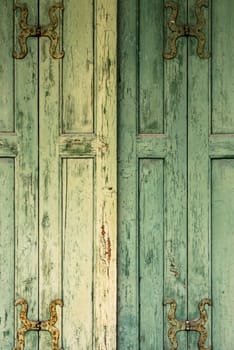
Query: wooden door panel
point(156, 96)
point(58, 147)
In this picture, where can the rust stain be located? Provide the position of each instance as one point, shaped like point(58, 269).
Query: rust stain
point(106, 246)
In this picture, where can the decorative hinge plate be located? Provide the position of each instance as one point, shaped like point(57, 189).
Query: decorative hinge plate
point(197, 325)
point(28, 30)
point(178, 30)
point(29, 325)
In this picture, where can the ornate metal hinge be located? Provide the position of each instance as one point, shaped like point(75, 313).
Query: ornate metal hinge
point(197, 325)
point(37, 31)
point(29, 325)
point(178, 30)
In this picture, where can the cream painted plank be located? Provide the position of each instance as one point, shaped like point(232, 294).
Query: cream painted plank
point(175, 257)
point(7, 121)
point(199, 264)
point(222, 252)
point(78, 67)
point(7, 251)
point(150, 60)
point(26, 184)
point(78, 224)
point(150, 242)
point(105, 233)
point(50, 236)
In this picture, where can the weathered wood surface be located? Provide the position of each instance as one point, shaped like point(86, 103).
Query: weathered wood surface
point(59, 123)
point(26, 181)
point(171, 147)
point(199, 230)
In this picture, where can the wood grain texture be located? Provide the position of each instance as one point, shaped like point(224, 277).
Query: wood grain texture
point(127, 183)
point(199, 264)
point(26, 182)
point(106, 181)
point(175, 249)
point(7, 240)
point(78, 68)
point(50, 234)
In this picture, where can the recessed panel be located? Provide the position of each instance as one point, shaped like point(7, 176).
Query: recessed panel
point(150, 66)
point(222, 252)
point(6, 67)
point(151, 253)
point(7, 228)
point(78, 67)
point(222, 67)
point(78, 222)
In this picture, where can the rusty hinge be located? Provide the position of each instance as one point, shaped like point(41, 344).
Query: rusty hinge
point(197, 325)
point(29, 325)
point(38, 31)
point(179, 30)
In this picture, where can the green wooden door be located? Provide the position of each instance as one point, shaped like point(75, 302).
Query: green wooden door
point(176, 176)
point(58, 176)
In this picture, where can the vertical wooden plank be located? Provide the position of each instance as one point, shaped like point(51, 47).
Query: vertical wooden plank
point(50, 273)
point(78, 223)
point(175, 263)
point(150, 66)
point(6, 67)
point(222, 72)
point(105, 238)
point(151, 213)
point(199, 269)
point(222, 252)
point(7, 239)
point(78, 68)
point(127, 173)
point(26, 184)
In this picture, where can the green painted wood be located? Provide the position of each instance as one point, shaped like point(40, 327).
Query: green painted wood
point(175, 221)
point(172, 146)
point(78, 69)
point(7, 239)
point(95, 323)
point(222, 252)
point(150, 66)
point(6, 68)
point(59, 124)
point(78, 228)
point(50, 213)
point(150, 245)
point(127, 175)
point(222, 72)
point(199, 263)
point(26, 182)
